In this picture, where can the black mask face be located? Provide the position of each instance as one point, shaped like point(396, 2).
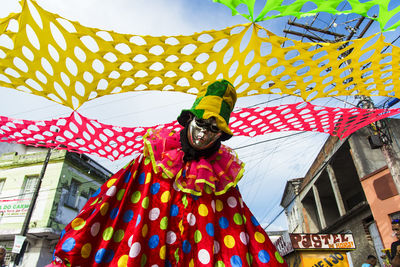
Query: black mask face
point(192, 153)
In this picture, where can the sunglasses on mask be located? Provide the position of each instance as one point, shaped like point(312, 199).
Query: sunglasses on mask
point(207, 125)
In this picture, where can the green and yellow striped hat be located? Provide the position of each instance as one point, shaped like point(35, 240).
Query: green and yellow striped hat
point(217, 100)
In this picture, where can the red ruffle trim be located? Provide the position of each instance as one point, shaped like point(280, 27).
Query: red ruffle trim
point(215, 174)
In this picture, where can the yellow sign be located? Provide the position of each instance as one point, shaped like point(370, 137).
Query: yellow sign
point(324, 259)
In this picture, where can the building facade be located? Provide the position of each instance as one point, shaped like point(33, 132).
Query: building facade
point(348, 189)
point(67, 183)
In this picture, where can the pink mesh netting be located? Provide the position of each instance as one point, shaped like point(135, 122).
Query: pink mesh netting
point(83, 135)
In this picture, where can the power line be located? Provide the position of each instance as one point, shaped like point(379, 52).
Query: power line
point(269, 140)
point(40, 191)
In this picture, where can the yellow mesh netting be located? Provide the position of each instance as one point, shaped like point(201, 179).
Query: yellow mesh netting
point(44, 54)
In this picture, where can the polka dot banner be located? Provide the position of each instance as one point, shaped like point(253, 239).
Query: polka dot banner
point(77, 133)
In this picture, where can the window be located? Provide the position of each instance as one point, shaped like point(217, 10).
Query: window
point(29, 186)
point(2, 181)
point(395, 215)
point(385, 187)
point(72, 196)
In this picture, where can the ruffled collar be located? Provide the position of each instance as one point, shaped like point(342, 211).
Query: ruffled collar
point(215, 174)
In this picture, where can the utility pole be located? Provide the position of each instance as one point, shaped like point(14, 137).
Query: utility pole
point(392, 159)
point(393, 162)
point(312, 37)
point(25, 226)
point(385, 144)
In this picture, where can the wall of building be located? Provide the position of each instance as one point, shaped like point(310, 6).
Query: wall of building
point(384, 199)
point(12, 148)
point(354, 224)
point(64, 213)
point(38, 252)
point(365, 159)
point(312, 223)
point(50, 214)
point(349, 189)
point(293, 206)
point(328, 150)
point(14, 170)
point(348, 193)
point(328, 202)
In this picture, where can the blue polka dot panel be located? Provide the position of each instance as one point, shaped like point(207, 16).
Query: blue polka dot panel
point(140, 217)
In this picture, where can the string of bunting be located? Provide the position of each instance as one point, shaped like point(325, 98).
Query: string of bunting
point(44, 54)
point(302, 8)
point(83, 135)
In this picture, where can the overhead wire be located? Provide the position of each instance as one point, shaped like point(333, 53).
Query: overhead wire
point(299, 157)
point(40, 191)
point(283, 209)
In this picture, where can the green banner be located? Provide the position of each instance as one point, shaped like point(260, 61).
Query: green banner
point(386, 12)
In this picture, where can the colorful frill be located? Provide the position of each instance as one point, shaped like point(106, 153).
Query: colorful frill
point(217, 173)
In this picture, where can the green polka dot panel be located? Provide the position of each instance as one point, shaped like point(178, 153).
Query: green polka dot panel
point(136, 197)
point(278, 257)
point(164, 223)
point(119, 235)
point(249, 258)
point(143, 260)
point(197, 236)
point(120, 194)
point(145, 203)
point(94, 201)
point(237, 218)
point(108, 233)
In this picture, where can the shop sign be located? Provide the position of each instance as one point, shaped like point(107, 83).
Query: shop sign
point(283, 244)
point(14, 207)
point(331, 259)
point(322, 241)
point(18, 242)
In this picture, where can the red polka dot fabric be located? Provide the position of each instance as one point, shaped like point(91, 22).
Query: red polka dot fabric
point(141, 218)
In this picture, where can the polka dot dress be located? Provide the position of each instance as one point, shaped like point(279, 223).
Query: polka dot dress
point(139, 218)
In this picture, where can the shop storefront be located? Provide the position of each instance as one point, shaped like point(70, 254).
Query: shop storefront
point(316, 250)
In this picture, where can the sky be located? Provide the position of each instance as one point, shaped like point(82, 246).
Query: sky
point(268, 164)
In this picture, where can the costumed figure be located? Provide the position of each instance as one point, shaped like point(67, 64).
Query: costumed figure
point(177, 204)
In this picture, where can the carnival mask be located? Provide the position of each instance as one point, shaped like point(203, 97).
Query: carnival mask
point(203, 133)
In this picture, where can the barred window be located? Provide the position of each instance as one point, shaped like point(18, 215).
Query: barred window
point(29, 186)
point(72, 196)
